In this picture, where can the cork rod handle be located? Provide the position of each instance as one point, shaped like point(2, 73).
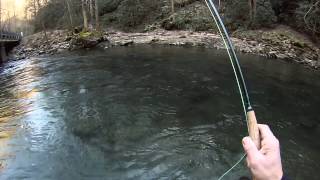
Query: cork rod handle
point(254, 130)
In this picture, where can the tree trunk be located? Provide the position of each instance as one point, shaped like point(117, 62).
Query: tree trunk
point(70, 14)
point(84, 14)
point(34, 8)
point(91, 11)
point(252, 9)
point(97, 14)
point(45, 32)
point(38, 4)
point(172, 10)
point(42, 23)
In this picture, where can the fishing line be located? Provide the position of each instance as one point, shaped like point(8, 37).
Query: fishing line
point(235, 165)
point(236, 68)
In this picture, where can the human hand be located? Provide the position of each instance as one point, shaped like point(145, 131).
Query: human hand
point(264, 164)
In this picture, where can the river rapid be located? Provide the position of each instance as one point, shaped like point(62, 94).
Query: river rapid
point(150, 112)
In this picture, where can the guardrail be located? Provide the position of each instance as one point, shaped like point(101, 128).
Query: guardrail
point(4, 35)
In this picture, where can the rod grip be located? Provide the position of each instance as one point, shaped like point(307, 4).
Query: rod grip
point(253, 129)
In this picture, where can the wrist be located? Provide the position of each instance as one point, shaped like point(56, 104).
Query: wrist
point(275, 175)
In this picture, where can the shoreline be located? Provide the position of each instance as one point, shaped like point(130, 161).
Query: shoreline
point(280, 43)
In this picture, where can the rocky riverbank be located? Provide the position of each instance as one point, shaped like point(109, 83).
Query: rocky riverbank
point(280, 43)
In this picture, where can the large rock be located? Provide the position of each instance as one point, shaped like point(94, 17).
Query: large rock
point(90, 43)
point(86, 40)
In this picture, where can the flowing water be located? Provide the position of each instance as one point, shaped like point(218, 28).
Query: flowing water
point(150, 113)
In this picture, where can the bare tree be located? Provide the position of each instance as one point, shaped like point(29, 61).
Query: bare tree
point(70, 12)
point(97, 14)
point(173, 10)
point(40, 21)
point(313, 26)
point(84, 14)
point(91, 11)
point(253, 9)
point(34, 8)
point(38, 4)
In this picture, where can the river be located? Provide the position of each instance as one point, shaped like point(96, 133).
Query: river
point(150, 112)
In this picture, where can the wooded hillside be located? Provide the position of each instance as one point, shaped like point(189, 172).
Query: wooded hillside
point(143, 15)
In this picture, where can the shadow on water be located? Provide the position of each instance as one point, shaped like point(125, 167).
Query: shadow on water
point(150, 113)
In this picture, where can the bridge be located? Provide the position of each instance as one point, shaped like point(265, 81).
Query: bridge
point(8, 40)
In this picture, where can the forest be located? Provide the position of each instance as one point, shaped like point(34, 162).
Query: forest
point(143, 15)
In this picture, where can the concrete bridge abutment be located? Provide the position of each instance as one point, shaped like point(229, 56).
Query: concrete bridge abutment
point(8, 40)
point(3, 53)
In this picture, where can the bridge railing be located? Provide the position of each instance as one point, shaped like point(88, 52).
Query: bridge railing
point(5, 35)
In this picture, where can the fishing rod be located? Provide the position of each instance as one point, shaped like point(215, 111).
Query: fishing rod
point(247, 108)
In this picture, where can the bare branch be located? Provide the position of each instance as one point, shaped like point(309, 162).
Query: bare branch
point(306, 15)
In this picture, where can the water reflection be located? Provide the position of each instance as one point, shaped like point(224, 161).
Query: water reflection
point(15, 100)
point(150, 113)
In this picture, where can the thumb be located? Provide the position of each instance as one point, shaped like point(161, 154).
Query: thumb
point(250, 148)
